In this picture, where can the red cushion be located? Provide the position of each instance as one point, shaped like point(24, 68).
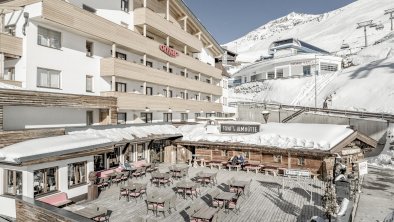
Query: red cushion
point(54, 199)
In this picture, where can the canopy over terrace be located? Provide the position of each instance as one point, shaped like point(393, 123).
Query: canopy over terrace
point(87, 142)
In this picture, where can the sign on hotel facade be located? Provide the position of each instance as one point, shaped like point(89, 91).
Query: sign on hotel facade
point(169, 51)
point(239, 128)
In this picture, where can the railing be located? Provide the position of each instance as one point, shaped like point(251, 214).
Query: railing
point(384, 116)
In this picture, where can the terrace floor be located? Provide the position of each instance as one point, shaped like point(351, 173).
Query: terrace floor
point(263, 204)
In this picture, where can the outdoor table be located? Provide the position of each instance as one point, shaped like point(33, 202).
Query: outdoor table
point(90, 212)
point(205, 213)
point(234, 166)
point(215, 164)
point(225, 197)
point(185, 185)
point(204, 176)
point(156, 200)
point(239, 185)
point(159, 176)
point(255, 168)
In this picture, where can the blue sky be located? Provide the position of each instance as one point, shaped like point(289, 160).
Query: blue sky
point(227, 20)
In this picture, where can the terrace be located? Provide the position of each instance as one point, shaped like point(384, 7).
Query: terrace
point(264, 202)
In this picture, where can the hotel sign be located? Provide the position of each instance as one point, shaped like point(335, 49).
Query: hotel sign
point(239, 128)
point(169, 51)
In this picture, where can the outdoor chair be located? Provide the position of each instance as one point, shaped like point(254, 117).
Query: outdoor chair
point(125, 176)
point(194, 191)
point(150, 207)
point(117, 179)
point(143, 189)
point(123, 192)
point(154, 179)
point(103, 183)
point(179, 191)
point(103, 218)
point(137, 173)
point(163, 208)
point(150, 169)
point(135, 194)
point(234, 205)
point(166, 180)
point(217, 203)
point(143, 171)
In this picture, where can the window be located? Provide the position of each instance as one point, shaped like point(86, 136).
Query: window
point(88, 8)
point(167, 117)
point(253, 78)
point(45, 180)
point(150, 37)
point(146, 117)
point(124, 5)
point(122, 118)
point(196, 115)
point(277, 158)
point(113, 158)
point(150, 64)
point(306, 70)
point(169, 94)
point(99, 162)
point(183, 73)
point(279, 73)
point(121, 56)
point(149, 91)
point(89, 118)
point(208, 81)
point(208, 98)
point(76, 174)
point(209, 115)
point(196, 97)
point(89, 49)
point(9, 74)
point(120, 87)
point(183, 95)
point(10, 29)
point(184, 117)
point(89, 83)
point(196, 78)
point(165, 69)
point(49, 38)
point(301, 161)
point(329, 67)
point(270, 75)
point(13, 182)
point(48, 78)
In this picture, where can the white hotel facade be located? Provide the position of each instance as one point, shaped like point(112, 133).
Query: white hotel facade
point(154, 56)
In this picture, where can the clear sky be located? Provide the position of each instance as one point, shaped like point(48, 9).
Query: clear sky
point(228, 20)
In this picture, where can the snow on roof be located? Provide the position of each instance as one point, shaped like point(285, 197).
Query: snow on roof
point(281, 135)
point(80, 139)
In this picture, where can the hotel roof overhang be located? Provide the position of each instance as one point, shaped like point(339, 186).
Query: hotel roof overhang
point(77, 151)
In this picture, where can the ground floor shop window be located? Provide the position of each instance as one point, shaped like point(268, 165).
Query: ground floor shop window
point(140, 151)
point(114, 158)
point(271, 75)
point(167, 117)
point(122, 118)
point(76, 174)
point(279, 73)
point(45, 181)
point(13, 182)
point(210, 115)
point(99, 162)
point(306, 70)
point(146, 117)
point(184, 117)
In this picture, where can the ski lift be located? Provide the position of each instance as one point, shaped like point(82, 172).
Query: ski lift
point(344, 45)
point(379, 26)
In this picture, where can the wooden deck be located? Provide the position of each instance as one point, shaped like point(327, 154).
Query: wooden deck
point(264, 203)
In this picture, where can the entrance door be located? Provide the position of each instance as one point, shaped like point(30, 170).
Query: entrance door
point(104, 116)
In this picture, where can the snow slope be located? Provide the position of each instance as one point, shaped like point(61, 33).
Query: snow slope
point(365, 87)
point(327, 31)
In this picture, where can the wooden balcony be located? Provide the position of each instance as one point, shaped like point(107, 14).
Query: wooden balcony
point(138, 72)
point(10, 45)
point(145, 16)
point(70, 16)
point(132, 101)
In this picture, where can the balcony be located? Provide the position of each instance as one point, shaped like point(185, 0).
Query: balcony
point(132, 101)
point(10, 45)
point(145, 16)
point(70, 16)
point(138, 72)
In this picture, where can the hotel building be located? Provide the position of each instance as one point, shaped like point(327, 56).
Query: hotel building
point(155, 57)
point(289, 58)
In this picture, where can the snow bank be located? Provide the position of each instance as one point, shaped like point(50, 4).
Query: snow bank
point(290, 135)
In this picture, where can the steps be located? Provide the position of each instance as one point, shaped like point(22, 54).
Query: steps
point(294, 115)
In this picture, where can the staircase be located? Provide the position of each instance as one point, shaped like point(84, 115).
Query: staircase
point(294, 115)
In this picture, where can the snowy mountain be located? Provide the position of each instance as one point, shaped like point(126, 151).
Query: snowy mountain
point(327, 31)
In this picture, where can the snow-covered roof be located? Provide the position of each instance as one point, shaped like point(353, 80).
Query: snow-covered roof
point(280, 135)
point(79, 140)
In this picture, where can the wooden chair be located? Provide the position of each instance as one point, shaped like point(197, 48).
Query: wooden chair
point(163, 208)
point(150, 207)
point(143, 189)
point(125, 176)
point(123, 192)
point(194, 191)
point(234, 205)
point(137, 173)
point(117, 179)
point(103, 218)
point(103, 183)
point(135, 194)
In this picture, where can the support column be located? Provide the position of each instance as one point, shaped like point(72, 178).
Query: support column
point(199, 96)
point(145, 3)
point(275, 74)
point(113, 83)
point(186, 75)
point(168, 10)
point(289, 70)
point(168, 41)
point(144, 88)
point(144, 60)
point(113, 50)
point(185, 24)
point(199, 76)
point(185, 94)
point(1, 118)
point(144, 30)
point(168, 92)
point(211, 79)
point(2, 22)
point(211, 98)
point(168, 66)
point(288, 160)
point(2, 59)
point(185, 49)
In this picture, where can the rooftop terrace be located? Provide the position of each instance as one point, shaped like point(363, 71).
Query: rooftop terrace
point(263, 204)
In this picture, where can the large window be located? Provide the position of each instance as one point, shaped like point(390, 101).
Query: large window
point(279, 73)
point(196, 115)
point(114, 158)
point(270, 75)
point(99, 162)
point(149, 91)
point(48, 78)
point(121, 56)
point(89, 83)
point(329, 67)
point(120, 87)
point(9, 74)
point(76, 174)
point(306, 70)
point(122, 118)
point(146, 117)
point(45, 180)
point(167, 117)
point(13, 182)
point(124, 5)
point(49, 38)
point(184, 117)
point(89, 118)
